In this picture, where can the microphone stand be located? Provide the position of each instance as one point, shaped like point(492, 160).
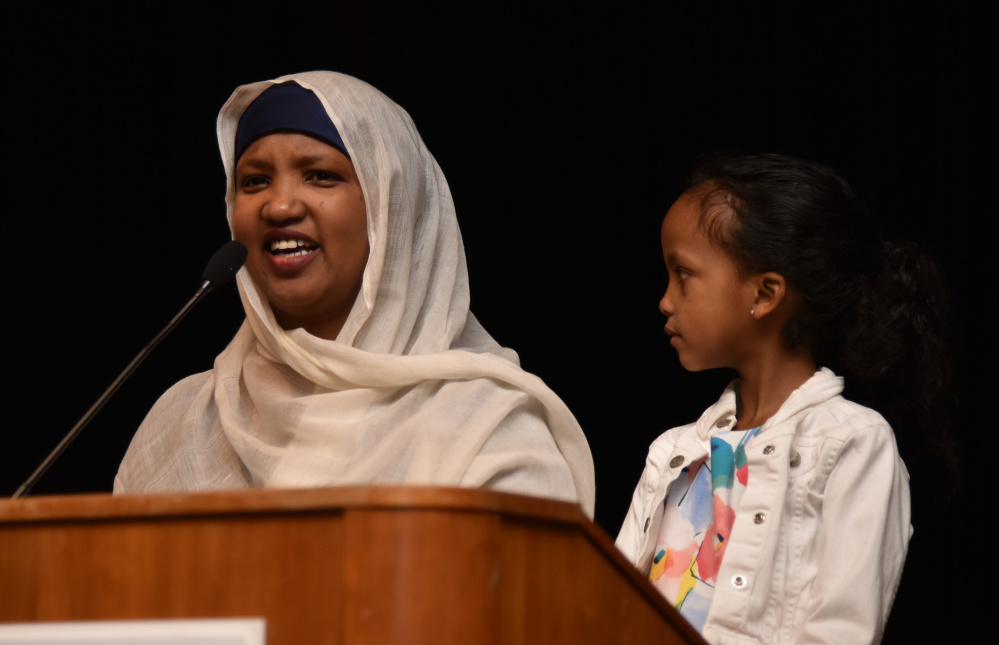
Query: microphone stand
point(206, 287)
point(222, 266)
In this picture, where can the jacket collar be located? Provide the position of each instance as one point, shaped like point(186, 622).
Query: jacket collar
point(820, 387)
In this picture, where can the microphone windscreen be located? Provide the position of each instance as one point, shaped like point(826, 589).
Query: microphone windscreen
point(224, 264)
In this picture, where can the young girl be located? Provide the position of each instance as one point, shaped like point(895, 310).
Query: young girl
point(782, 514)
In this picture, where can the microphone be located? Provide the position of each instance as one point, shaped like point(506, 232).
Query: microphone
point(220, 270)
point(223, 266)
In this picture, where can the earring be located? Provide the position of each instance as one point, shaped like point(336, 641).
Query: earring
point(752, 312)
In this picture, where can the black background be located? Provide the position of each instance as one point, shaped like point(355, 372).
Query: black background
point(564, 134)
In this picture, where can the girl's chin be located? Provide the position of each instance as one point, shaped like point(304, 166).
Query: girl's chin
point(691, 364)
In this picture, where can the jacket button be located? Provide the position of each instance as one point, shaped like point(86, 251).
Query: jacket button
point(760, 518)
point(648, 520)
point(796, 459)
point(768, 450)
point(676, 462)
point(739, 582)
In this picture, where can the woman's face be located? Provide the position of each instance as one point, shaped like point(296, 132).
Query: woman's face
point(300, 212)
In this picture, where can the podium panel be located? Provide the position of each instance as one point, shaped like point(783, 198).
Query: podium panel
point(351, 565)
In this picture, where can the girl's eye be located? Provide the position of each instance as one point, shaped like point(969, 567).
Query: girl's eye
point(681, 274)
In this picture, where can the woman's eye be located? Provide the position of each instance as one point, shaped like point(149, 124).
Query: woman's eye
point(254, 181)
point(323, 176)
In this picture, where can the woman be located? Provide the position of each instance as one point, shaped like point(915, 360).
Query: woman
point(359, 361)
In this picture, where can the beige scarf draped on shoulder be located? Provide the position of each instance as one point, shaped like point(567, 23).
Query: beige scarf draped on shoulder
point(413, 390)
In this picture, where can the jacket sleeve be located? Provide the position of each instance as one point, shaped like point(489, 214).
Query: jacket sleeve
point(863, 539)
point(630, 536)
point(643, 519)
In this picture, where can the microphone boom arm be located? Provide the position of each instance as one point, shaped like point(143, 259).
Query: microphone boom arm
point(220, 270)
point(206, 287)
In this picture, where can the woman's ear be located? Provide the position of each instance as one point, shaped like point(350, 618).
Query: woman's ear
point(771, 293)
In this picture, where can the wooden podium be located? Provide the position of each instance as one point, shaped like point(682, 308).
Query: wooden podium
point(340, 565)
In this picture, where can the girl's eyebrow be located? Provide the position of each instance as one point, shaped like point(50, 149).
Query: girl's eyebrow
point(674, 258)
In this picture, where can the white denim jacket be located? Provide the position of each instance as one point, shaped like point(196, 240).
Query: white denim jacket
point(820, 537)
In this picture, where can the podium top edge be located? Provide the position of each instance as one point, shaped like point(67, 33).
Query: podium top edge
point(344, 498)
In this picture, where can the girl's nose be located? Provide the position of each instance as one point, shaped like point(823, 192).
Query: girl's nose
point(666, 304)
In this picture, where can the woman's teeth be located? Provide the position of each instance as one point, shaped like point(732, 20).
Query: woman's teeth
point(291, 247)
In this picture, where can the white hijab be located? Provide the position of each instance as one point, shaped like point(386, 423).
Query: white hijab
point(413, 390)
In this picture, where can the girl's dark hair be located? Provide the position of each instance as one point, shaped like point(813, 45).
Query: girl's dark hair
point(874, 312)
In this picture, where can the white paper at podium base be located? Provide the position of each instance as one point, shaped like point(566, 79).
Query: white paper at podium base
point(229, 631)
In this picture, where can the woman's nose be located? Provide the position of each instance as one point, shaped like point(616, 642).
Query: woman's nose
point(285, 202)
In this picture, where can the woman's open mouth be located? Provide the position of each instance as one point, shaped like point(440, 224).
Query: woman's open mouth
point(292, 248)
point(288, 250)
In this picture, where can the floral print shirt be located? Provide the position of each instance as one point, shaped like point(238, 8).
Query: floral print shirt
point(697, 523)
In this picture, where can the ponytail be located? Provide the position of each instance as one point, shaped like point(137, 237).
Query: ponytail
point(896, 358)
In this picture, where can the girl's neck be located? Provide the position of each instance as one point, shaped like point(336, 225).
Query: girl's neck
point(767, 383)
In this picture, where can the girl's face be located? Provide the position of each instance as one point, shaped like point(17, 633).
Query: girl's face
point(300, 212)
point(707, 303)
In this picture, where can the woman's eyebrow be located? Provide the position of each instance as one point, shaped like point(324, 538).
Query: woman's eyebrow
point(311, 160)
point(265, 164)
point(260, 164)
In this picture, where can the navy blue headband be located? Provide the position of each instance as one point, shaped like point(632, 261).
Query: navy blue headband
point(287, 106)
